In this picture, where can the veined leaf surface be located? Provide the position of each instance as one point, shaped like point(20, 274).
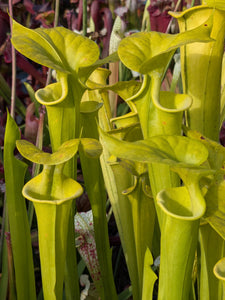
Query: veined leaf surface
point(57, 48)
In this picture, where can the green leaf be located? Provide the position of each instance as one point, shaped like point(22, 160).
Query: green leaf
point(91, 147)
point(90, 106)
point(145, 51)
point(57, 48)
point(52, 239)
point(160, 112)
point(18, 220)
point(135, 168)
point(125, 294)
point(65, 152)
point(45, 188)
point(62, 101)
point(201, 69)
point(163, 149)
point(117, 182)
point(117, 179)
point(218, 4)
point(143, 216)
point(215, 213)
point(85, 72)
point(216, 151)
point(125, 89)
point(209, 286)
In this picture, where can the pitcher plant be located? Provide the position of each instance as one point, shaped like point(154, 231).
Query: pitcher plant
point(160, 163)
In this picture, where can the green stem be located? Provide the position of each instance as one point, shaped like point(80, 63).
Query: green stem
point(84, 17)
point(56, 19)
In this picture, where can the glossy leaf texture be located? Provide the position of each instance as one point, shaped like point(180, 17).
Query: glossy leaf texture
point(66, 151)
point(143, 216)
point(169, 150)
point(160, 112)
point(146, 51)
point(210, 287)
point(214, 194)
point(57, 48)
point(201, 69)
point(218, 4)
point(215, 212)
point(54, 93)
point(216, 151)
point(179, 236)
